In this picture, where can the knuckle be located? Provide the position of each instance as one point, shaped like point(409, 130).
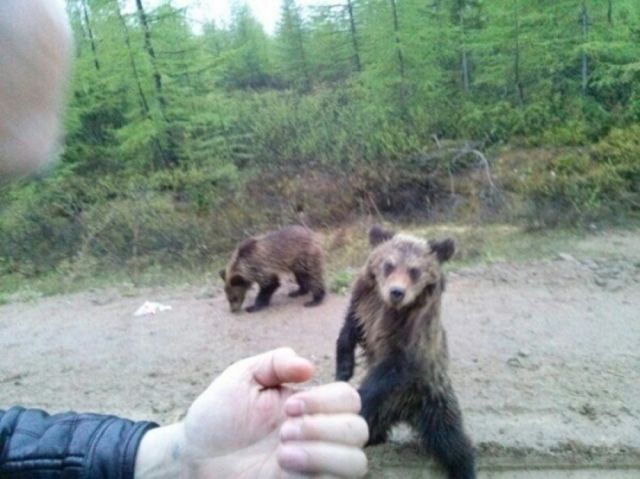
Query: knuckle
point(357, 401)
point(351, 395)
point(308, 427)
point(363, 430)
point(360, 461)
point(284, 351)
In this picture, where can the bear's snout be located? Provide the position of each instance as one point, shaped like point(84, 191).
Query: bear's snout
point(396, 294)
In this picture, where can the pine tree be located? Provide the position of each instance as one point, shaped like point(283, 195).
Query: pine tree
point(292, 47)
point(331, 53)
point(248, 63)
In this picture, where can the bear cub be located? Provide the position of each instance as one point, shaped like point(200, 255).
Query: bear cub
point(261, 259)
point(394, 315)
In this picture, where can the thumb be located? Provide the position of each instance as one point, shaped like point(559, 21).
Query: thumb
point(281, 366)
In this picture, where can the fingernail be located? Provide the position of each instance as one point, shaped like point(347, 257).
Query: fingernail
point(294, 407)
point(293, 458)
point(290, 431)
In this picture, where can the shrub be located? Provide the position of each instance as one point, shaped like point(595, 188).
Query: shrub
point(596, 182)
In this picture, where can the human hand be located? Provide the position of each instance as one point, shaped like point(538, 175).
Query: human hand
point(248, 424)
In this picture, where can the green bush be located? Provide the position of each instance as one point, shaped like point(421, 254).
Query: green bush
point(621, 150)
point(342, 280)
point(38, 226)
point(602, 181)
point(571, 133)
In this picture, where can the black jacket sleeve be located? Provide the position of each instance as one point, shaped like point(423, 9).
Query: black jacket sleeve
point(36, 445)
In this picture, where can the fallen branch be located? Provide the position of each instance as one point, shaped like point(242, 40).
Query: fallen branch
point(483, 159)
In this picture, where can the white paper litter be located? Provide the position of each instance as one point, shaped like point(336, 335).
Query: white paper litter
point(149, 307)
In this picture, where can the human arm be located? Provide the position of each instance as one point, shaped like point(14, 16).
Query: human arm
point(247, 424)
point(67, 445)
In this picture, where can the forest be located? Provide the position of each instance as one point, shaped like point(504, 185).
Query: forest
point(184, 135)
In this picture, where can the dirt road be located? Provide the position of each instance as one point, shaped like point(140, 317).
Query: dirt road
point(545, 356)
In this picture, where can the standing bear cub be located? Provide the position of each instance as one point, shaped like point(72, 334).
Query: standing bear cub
point(260, 259)
point(394, 315)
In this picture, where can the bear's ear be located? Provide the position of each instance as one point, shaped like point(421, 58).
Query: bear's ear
point(379, 235)
point(443, 249)
point(237, 280)
point(246, 247)
point(223, 274)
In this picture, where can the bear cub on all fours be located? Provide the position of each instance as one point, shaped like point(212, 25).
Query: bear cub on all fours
point(394, 315)
point(261, 259)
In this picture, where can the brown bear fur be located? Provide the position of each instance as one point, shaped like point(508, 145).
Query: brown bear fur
point(261, 259)
point(394, 315)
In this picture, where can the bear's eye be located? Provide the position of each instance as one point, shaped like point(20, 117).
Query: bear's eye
point(388, 268)
point(414, 274)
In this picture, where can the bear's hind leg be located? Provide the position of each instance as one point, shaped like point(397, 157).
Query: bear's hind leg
point(316, 285)
point(316, 299)
point(379, 426)
point(315, 280)
point(303, 285)
point(442, 434)
point(379, 393)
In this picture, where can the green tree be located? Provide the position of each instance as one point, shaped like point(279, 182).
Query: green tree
point(248, 63)
point(292, 46)
point(331, 55)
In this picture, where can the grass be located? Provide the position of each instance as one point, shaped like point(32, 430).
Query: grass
point(474, 244)
point(340, 281)
point(494, 243)
point(483, 244)
point(17, 288)
point(347, 250)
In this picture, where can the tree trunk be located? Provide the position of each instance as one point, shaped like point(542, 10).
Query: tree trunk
point(516, 60)
point(585, 34)
point(152, 56)
point(354, 38)
point(610, 12)
point(136, 76)
point(168, 152)
point(396, 30)
point(465, 62)
point(305, 67)
point(85, 13)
